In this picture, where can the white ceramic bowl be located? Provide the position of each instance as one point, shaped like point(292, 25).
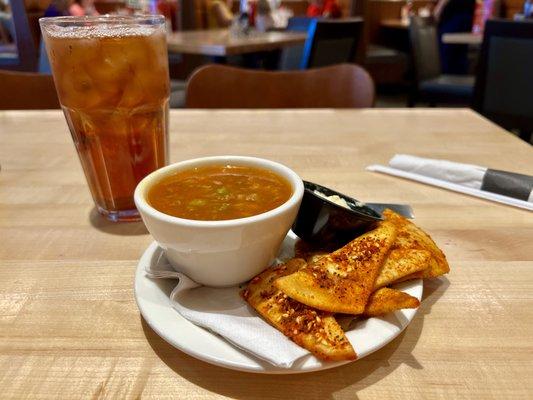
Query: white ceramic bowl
point(221, 253)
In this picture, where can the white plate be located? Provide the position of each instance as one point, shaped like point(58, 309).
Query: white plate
point(152, 298)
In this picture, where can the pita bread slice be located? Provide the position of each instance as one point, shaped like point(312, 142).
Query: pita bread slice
point(401, 263)
point(342, 281)
point(411, 236)
point(385, 300)
point(410, 277)
point(314, 330)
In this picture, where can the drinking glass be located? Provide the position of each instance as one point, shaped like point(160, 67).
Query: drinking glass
point(111, 76)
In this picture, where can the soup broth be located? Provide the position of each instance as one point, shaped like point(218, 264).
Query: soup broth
point(219, 192)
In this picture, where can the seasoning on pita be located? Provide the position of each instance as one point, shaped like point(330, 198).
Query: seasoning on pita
point(315, 330)
point(342, 281)
point(400, 264)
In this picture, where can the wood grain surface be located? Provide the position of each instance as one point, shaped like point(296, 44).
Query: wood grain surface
point(69, 326)
point(220, 42)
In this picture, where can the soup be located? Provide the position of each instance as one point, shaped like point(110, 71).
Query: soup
point(219, 192)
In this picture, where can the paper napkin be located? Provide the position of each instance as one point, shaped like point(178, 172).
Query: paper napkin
point(224, 312)
point(500, 186)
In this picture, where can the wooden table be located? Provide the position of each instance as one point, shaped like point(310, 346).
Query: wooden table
point(69, 326)
point(473, 39)
point(220, 42)
point(394, 23)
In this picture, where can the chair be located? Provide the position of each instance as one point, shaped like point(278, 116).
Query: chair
point(26, 57)
point(329, 42)
point(291, 56)
point(27, 91)
point(504, 83)
point(177, 93)
point(430, 85)
point(340, 86)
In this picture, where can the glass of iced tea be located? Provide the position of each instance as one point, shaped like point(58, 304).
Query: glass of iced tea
point(111, 76)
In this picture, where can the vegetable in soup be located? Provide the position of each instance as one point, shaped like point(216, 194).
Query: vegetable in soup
point(219, 192)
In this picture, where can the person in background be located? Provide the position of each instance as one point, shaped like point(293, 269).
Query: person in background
point(219, 14)
point(454, 16)
point(80, 8)
point(76, 9)
point(58, 8)
point(324, 8)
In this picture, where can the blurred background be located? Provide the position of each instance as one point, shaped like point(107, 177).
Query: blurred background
point(472, 53)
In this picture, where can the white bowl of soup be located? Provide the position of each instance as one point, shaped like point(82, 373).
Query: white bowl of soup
point(221, 220)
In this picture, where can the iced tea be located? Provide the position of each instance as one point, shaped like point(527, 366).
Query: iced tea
point(111, 75)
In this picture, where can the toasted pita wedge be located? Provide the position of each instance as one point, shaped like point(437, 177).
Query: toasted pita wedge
point(385, 300)
point(401, 263)
point(342, 281)
point(410, 277)
point(411, 236)
point(314, 330)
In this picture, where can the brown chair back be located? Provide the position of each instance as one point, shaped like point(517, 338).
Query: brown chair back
point(27, 91)
point(338, 86)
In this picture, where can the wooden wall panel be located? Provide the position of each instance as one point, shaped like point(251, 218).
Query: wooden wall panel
point(512, 7)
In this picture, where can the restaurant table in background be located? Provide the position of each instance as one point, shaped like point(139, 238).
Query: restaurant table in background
point(70, 327)
point(395, 23)
point(473, 39)
point(221, 43)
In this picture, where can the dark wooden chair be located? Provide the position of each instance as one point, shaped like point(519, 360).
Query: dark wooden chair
point(27, 91)
point(431, 86)
point(340, 86)
point(329, 42)
point(504, 83)
point(332, 41)
point(26, 57)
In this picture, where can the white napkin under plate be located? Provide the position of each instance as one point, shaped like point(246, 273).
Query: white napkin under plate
point(224, 312)
point(499, 186)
